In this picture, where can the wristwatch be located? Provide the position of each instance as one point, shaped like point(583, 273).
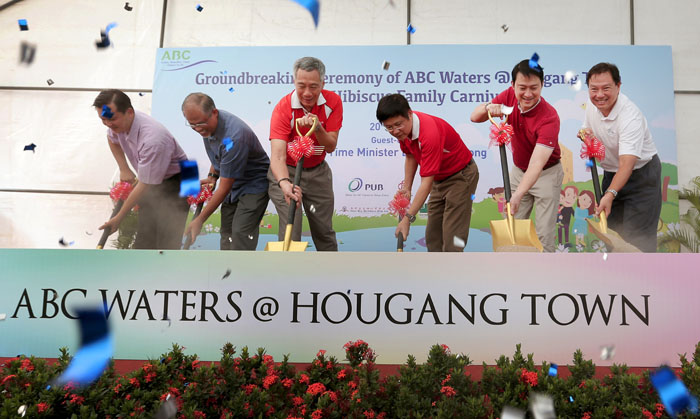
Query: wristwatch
point(411, 218)
point(613, 192)
point(214, 175)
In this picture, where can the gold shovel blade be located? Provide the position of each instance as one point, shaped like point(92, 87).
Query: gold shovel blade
point(279, 246)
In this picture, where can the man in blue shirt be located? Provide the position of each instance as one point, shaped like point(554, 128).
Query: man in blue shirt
point(240, 163)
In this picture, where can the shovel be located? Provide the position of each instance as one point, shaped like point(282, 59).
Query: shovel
point(600, 228)
point(288, 245)
point(511, 235)
point(105, 233)
point(197, 211)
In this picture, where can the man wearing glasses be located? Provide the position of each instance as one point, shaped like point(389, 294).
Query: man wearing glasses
point(447, 170)
point(308, 102)
point(155, 155)
point(240, 163)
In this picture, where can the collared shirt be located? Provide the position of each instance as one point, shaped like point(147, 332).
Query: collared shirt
point(246, 161)
point(436, 146)
point(623, 132)
point(150, 148)
point(538, 125)
point(328, 108)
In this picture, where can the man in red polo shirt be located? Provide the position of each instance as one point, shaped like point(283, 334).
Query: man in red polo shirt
point(538, 174)
point(309, 102)
point(447, 170)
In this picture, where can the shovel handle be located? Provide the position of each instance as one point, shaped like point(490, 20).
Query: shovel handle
point(504, 169)
point(399, 240)
point(596, 181)
point(310, 131)
point(105, 232)
point(188, 239)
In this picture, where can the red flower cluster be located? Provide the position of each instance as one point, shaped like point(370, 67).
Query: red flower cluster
point(301, 146)
point(121, 191)
point(27, 365)
point(249, 388)
point(358, 351)
point(501, 134)
point(586, 415)
point(399, 205)
point(528, 377)
point(316, 388)
point(304, 379)
point(42, 407)
point(448, 391)
point(446, 380)
point(270, 380)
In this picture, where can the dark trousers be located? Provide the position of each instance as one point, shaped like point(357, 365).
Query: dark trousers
point(240, 221)
point(162, 216)
point(636, 210)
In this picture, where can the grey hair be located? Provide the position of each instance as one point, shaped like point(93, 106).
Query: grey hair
point(204, 101)
point(310, 64)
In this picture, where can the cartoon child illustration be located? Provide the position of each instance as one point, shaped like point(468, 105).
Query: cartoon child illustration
point(498, 195)
point(566, 200)
point(584, 209)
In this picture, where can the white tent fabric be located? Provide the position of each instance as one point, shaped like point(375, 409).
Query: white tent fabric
point(71, 153)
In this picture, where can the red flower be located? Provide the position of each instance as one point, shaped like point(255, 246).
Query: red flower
point(150, 376)
point(448, 391)
point(321, 352)
point(352, 384)
point(382, 415)
point(270, 380)
point(329, 365)
point(128, 397)
point(528, 377)
point(117, 388)
point(369, 414)
point(27, 365)
point(75, 399)
point(332, 396)
point(135, 382)
point(659, 410)
point(199, 415)
point(297, 401)
point(341, 374)
point(7, 378)
point(446, 349)
point(195, 365)
point(582, 385)
point(317, 414)
point(316, 388)
point(447, 379)
point(647, 414)
point(287, 383)
point(304, 379)
point(586, 415)
point(249, 388)
point(42, 407)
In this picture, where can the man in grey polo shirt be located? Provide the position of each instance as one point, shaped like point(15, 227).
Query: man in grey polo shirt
point(240, 163)
point(632, 169)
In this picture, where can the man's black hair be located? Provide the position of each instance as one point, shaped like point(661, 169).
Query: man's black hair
point(601, 68)
point(523, 67)
point(392, 105)
point(119, 98)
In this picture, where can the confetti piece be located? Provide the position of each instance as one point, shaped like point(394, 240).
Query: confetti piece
point(228, 143)
point(167, 410)
point(473, 197)
point(95, 351)
point(127, 7)
point(64, 243)
point(573, 80)
point(535, 62)
point(189, 178)
point(542, 406)
point(312, 6)
point(458, 242)
point(553, 370)
point(22, 410)
point(607, 352)
point(348, 291)
point(30, 147)
point(510, 412)
point(505, 28)
point(26, 52)
point(605, 256)
point(49, 82)
point(48, 387)
point(227, 274)
point(199, 7)
point(571, 399)
point(673, 393)
point(23, 24)
point(106, 112)
point(3, 316)
point(312, 209)
point(250, 237)
point(142, 94)
point(385, 65)
point(411, 29)
point(104, 41)
point(506, 110)
point(231, 89)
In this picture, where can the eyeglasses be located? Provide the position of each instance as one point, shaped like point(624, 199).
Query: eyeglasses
point(201, 124)
point(394, 127)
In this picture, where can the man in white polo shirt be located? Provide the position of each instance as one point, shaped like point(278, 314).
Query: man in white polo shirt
point(632, 169)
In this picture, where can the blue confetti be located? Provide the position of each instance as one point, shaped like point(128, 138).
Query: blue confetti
point(199, 7)
point(589, 163)
point(223, 72)
point(110, 27)
point(535, 62)
point(473, 197)
point(553, 370)
point(104, 41)
point(189, 178)
point(106, 112)
point(142, 94)
point(231, 89)
point(672, 392)
point(312, 6)
point(30, 147)
point(411, 29)
point(48, 387)
point(23, 26)
point(95, 351)
point(571, 399)
point(228, 143)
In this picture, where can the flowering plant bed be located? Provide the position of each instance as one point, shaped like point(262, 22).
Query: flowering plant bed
point(257, 386)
